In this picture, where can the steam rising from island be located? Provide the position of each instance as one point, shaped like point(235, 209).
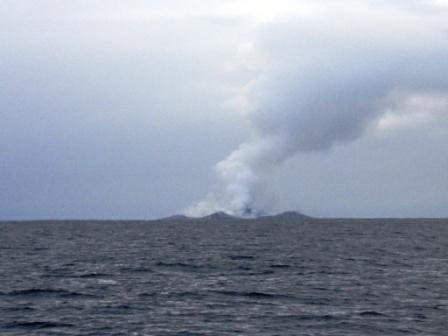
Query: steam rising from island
point(327, 79)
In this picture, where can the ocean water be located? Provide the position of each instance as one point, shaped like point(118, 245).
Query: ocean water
point(344, 277)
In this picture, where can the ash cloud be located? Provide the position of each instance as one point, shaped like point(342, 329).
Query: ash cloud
point(326, 79)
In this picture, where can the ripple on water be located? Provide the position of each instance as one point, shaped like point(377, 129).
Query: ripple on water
point(37, 325)
point(253, 295)
point(47, 293)
point(346, 278)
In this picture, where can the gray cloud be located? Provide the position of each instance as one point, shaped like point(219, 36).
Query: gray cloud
point(326, 79)
point(100, 118)
point(119, 109)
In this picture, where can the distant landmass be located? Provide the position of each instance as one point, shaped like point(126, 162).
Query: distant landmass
point(287, 216)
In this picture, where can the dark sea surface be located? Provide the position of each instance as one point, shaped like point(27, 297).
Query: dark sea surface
point(332, 277)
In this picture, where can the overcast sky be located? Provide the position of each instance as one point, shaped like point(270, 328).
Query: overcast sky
point(123, 109)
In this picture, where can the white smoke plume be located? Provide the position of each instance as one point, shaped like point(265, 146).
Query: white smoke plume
point(326, 79)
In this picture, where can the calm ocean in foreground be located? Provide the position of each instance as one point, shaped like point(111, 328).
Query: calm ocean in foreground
point(344, 277)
